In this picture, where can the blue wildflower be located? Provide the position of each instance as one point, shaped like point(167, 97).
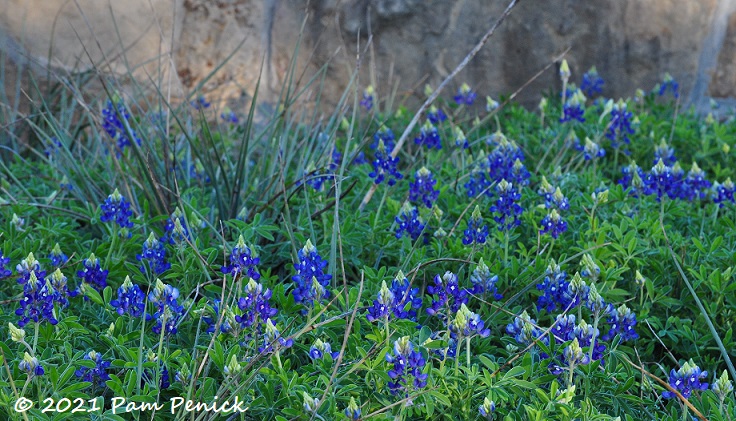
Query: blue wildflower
point(243, 261)
point(57, 257)
point(31, 366)
point(436, 115)
point(116, 124)
point(176, 229)
point(154, 254)
point(574, 108)
point(352, 411)
point(319, 349)
point(563, 328)
point(484, 282)
point(465, 95)
point(571, 357)
point(685, 380)
point(592, 83)
point(695, 186)
point(590, 149)
point(724, 192)
point(213, 313)
point(117, 208)
point(429, 136)
point(98, 374)
point(410, 222)
point(506, 207)
point(584, 334)
point(448, 297)
point(37, 303)
point(368, 98)
point(467, 324)
point(669, 83)
point(387, 136)
point(477, 230)
point(506, 162)
point(272, 336)
point(622, 321)
point(661, 181)
point(632, 179)
point(26, 266)
point(131, 299)
point(664, 152)
point(168, 311)
point(553, 289)
point(4, 272)
point(491, 104)
point(422, 189)
point(553, 224)
point(487, 409)
point(93, 273)
point(460, 139)
point(524, 329)
point(406, 362)
point(393, 302)
point(384, 164)
point(576, 292)
point(311, 265)
point(619, 127)
point(60, 289)
point(200, 103)
point(229, 116)
point(255, 305)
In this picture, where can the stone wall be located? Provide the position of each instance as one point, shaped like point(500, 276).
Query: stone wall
point(413, 42)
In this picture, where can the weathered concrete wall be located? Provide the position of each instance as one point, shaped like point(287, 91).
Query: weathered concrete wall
point(632, 42)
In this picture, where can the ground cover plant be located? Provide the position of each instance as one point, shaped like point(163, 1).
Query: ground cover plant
point(570, 262)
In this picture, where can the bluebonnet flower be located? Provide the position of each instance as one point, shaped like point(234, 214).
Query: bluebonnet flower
point(724, 192)
point(553, 289)
point(487, 409)
point(505, 162)
point(460, 139)
point(467, 324)
point(149, 376)
point(387, 136)
point(564, 71)
point(592, 83)
point(429, 136)
point(571, 357)
point(131, 299)
point(590, 268)
point(117, 208)
point(57, 257)
point(93, 273)
point(168, 311)
point(54, 145)
point(559, 201)
point(243, 261)
point(392, 302)
point(506, 206)
point(271, 336)
point(98, 374)
point(576, 292)
point(620, 126)
point(422, 189)
point(669, 83)
point(4, 272)
point(584, 334)
point(595, 302)
point(26, 266)
point(200, 103)
point(465, 95)
point(406, 362)
point(448, 296)
point(368, 98)
point(622, 321)
point(685, 380)
point(154, 254)
point(491, 104)
point(176, 229)
point(722, 386)
point(546, 190)
point(590, 149)
point(436, 115)
point(563, 329)
point(310, 404)
point(695, 186)
point(553, 224)
point(477, 230)
point(212, 314)
point(37, 303)
point(574, 107)
point(59, 288)
point(410, 222)
point(661, 181)
point(478, 179)
point(116, 124)
point(384, 164)
point(229, 116)
point(524, 330)
point(632, 179)
point(310, 265)
point(484, 282)
point(255, 306)
point(319, 349)
point(665, 153)
point(352, 411)
point(30, 365)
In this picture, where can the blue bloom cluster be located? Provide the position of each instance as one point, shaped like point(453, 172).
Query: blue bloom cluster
point(632, 179)
point(368, 98)
point(393, 302)
point(448, 297)
point(429, 136)
point(590, 149)
point(168, 311)
point(574, 107)
point(200, 103)
point(117, 208)
point(669, 83)
point(154, 254)
point(477, 230)
point(310, 268)
point(93, 274)
point(410, 222)
point(385, 135)
point(622, 321)
point(465, 95)
point(131, 299)
point(422, 189)
point(592, 83)
point(664, 152)
point(724, 192)
point(524, 329)
point(37, 303)
point(116, 124)
point(619, 128)
point(243, 262)
point(60, 290)
point(57, 257)
point(255, 307)
point(176, 229)
point(566, 330)
point(31, 366)
point(553, 224)
point(96, 375)
point(467, 324)
point(319, 349)
point(212, 313)
point(685, 380)
point(436, 115)
point(506, 208)
point(271, 337)
point(406, 362)
point(4, 271)
point(384, 164)
point(484, 282)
